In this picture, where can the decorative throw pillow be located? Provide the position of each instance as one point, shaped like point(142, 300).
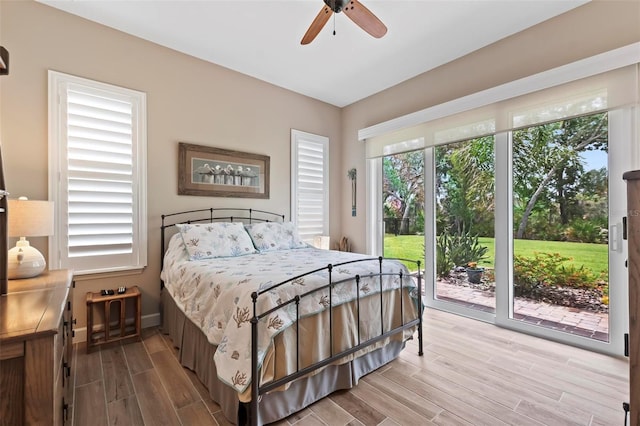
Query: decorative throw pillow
point(269, 236)
point(220, 239)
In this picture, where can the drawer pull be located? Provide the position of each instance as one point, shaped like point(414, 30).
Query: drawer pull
point(65, 411)
point(67, 369)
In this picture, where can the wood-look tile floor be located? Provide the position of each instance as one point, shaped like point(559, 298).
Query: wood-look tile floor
point(472, 373)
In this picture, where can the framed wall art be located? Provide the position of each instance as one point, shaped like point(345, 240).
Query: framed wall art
point(217, 172)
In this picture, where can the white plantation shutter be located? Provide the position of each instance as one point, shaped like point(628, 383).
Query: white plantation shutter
point(310, 184)
point(98, 149)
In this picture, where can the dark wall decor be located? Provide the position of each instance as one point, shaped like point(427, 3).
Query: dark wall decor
point(4, 61)
point(217, 172)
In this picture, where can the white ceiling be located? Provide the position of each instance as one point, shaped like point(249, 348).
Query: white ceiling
point(261, 38)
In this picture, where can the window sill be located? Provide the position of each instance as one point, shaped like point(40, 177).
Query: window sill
point(87, 276)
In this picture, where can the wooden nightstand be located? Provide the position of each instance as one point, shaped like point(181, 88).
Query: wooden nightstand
point(120, 313)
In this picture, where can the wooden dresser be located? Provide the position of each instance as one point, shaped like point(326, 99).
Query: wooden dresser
point(36, 330)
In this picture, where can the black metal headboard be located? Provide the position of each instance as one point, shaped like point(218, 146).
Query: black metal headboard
point(211, 215)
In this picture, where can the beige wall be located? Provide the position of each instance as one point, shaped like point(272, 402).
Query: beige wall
point(594, 28)
point(187, 100)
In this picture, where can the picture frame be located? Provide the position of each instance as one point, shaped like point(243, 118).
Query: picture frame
point(217, 172)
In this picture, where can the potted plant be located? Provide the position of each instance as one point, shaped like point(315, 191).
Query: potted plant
point(474, 272)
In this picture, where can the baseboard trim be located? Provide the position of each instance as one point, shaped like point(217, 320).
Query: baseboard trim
point(147, 321)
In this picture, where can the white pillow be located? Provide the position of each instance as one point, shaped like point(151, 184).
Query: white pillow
point(268, 236)
point(218, 239)
point(176, 250)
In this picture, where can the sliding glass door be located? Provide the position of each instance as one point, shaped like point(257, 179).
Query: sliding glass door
point(567, 276)
point(521, 228)
point(464, 222)
point(560, 208)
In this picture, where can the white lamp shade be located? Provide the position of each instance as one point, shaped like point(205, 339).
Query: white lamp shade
point(30, 218)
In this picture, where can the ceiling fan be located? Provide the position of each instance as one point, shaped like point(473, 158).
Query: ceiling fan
point(359, 14)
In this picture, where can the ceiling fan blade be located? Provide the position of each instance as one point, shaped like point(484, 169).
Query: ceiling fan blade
point(317, 24)
point(365, 19)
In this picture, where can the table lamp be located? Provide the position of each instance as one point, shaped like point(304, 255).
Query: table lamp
point(28, 218)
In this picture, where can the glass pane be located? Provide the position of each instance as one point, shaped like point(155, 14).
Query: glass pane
point(465, 200)
point(403, 203)
point(560, 210)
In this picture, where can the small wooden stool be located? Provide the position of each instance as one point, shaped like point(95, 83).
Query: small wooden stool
point(128, 322)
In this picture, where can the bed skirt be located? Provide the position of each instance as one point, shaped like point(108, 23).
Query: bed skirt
point(196, 353)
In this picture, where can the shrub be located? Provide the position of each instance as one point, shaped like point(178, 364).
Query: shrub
point(466, 248)
point(549, 269)
point(540, 228)
point(584, 231)
point(457, 250)
point(420, 222)
point(444, 265)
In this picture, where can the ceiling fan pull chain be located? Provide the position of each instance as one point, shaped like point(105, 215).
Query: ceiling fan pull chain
point(334, 24)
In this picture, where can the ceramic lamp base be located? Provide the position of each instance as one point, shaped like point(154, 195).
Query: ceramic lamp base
point(25, 261)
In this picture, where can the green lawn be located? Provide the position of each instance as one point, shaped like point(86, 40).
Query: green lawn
point(405, 247)
point(592, 256)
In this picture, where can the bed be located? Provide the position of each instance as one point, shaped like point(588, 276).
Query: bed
point(244, 297)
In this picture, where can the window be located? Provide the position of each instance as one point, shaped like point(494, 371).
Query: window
point(310, 184)
point(97, 179)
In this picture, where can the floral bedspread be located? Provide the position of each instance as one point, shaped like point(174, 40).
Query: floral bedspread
point(216, 295)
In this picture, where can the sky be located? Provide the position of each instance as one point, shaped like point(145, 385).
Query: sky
point(594, 159)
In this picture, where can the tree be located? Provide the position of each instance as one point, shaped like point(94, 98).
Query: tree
point(465, 183)
point(403, 186)
point(597, 181)
point(547, 157)
point(567, 188)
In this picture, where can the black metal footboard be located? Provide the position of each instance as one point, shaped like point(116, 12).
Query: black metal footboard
point(257, 389)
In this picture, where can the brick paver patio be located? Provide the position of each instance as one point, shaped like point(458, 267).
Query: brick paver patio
point(571, 320)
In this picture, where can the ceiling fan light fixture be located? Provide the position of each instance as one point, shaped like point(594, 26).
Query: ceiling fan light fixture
point(336, 5)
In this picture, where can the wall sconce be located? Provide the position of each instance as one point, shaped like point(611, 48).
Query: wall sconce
point(352, 173)
point(28, 219)
point(4, 61)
